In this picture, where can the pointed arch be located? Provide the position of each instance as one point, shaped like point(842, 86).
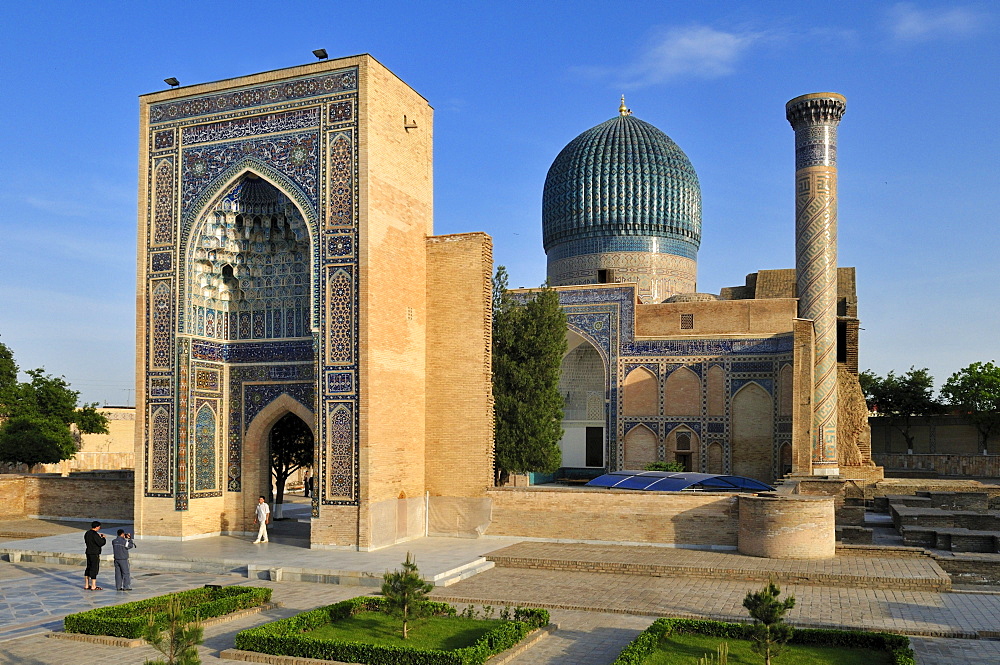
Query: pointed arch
point(640, 447)
point(716, 389)
point(213, 192)
point(641, 393)
point(207, 475)
point(716, 461)
point(785, 391)
point(682, 393)
point(752, 433)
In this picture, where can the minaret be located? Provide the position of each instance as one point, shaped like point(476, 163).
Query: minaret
point(815, 117)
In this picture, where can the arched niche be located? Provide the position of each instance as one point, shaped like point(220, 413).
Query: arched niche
point(716, 459)
point(248, 266)
point(640, 447)
point(682, 393)
point(785, 391)
point(716, 389)
point(641, 393)
point(683, 445)
point(752, 426)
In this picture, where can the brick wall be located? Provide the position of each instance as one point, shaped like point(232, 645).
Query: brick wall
point(981, 466)
point(941, 435)
point(459, 385)
point(100, 496)
point(697, 519)
point(726, 317)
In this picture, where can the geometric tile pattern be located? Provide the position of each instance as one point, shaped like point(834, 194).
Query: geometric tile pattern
point(815, 121)
point(604, 317)
point(253, 207)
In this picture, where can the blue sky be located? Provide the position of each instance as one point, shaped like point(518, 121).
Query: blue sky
point(511, 84)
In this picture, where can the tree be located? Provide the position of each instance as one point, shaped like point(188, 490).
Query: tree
point(900, 398)
point(38, 416)
point(975, 390)
point(32, 440)
point(769, 633)
point(178, 641)
point(291, 449)
point(405, 592)
point(529, 341)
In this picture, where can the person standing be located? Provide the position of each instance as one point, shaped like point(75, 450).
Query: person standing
point(121, 545)
point(94, 540)
point(262, 517)
point(307, 483)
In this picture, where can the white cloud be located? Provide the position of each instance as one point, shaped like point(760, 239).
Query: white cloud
point(691, 52)
point(908, 23)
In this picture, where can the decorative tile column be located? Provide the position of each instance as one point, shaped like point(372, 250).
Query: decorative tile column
point(815, 117)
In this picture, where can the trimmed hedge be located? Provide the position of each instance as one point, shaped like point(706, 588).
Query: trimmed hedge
point(285, 637)
point(649, 639)
point(129, 619)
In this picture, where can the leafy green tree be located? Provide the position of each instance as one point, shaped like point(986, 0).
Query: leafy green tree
point(675, 467)
point(38, 416)
point(770, 633)
point(901, 398)
point(405, 592)
point(975, 390)
point(529, 341)
point(291, 449)
point(32, 440)
point(178, 641)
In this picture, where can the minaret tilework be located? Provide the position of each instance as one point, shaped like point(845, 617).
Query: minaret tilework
point(815, 117)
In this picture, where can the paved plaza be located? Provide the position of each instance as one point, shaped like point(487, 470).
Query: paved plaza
point(597, 613)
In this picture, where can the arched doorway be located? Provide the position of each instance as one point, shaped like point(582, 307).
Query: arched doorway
point(290, 449)
point(583, 387)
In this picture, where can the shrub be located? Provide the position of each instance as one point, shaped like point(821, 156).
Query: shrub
point(648, 640)
point(129, 619)
point(285, 637)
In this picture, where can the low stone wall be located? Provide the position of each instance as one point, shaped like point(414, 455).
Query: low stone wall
point(694, 519)
point(89, 495)
point(979, 466)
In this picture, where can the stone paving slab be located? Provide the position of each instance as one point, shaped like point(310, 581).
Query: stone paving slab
point(908, 612)
point(222, 554)
point(584, 637)
point(903, 570)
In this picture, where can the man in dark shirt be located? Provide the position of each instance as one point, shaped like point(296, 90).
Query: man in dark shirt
point(94, 540)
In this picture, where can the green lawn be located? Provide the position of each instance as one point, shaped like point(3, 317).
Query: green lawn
point(428, 633)
point(687, 648)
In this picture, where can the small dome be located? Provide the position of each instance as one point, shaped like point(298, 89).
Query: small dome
point(692, 297)
point(627, 181)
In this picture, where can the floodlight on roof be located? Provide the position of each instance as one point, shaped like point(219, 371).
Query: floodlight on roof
point(171, 81)
point(321, 53)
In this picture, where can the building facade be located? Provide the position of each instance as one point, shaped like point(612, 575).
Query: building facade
point(656, 371)
point(287, 265)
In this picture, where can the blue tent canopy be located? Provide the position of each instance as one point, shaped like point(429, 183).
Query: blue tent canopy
point(667, 481)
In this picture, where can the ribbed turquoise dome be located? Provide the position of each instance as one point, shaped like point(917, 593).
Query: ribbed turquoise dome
point(621, 186)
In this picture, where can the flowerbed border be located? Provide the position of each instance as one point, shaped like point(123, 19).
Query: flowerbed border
point(285, 637)
point(128, 620)
point(898, 646)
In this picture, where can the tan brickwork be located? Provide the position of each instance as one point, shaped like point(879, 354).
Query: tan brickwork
point(802, 398)
point(100, 496)
point(702, 519)
point(722, 317)
point(459, 379)
point(395, 216)
point(787, 527)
